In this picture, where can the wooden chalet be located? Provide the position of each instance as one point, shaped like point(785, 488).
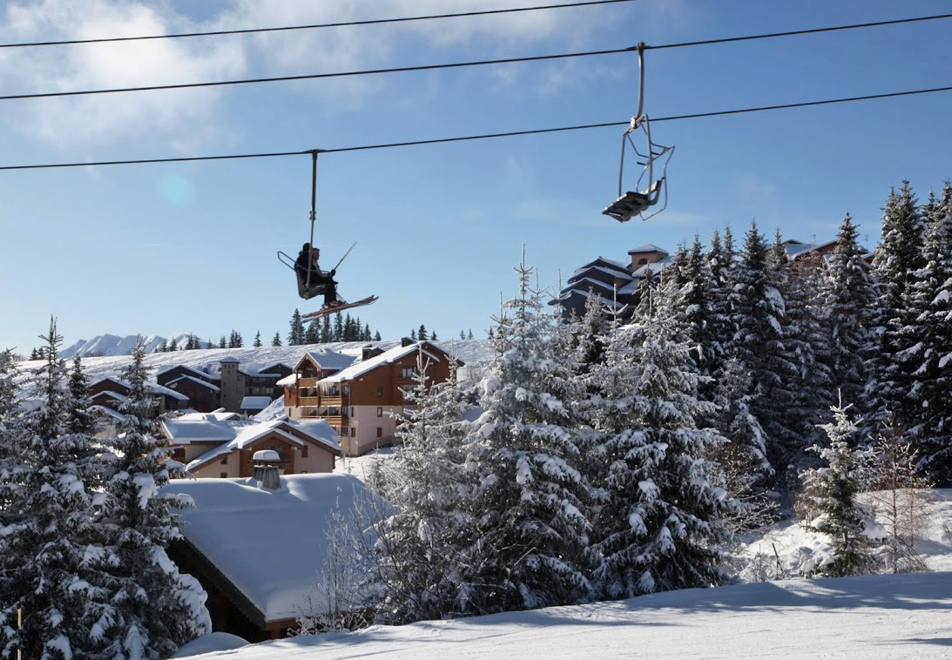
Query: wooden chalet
point(359, 401)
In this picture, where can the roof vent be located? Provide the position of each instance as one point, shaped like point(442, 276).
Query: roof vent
point(266, 470)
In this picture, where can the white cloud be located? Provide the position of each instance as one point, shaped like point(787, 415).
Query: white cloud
point(89, 120)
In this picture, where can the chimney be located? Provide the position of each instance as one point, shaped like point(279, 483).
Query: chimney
point(266, 469)
point(406, 341)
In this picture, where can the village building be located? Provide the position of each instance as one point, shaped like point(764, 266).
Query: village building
point(228, 386)
point(261, 553)
point(211, 445)
point(111, 392)
point(361, 399)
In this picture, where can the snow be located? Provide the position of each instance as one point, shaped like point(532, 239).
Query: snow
point(894, 616)
point(270, 544)
point(187, 429)
point(216, 641)
point(255, 402)
point(647, 247)
point(203, 383)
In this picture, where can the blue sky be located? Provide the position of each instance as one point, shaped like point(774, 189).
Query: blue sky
point(157, 249)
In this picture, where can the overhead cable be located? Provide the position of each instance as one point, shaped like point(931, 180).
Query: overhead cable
point(452, 65)
point(485, 136)
point(314, 26)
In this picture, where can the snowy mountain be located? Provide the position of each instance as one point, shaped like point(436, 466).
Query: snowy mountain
point(115, 345)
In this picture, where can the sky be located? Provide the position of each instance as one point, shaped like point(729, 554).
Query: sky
point(191, 247)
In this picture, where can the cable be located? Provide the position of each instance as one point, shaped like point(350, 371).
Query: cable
point(315, 76)
point(799, 32)
point(454, 65)
point(315, 26)
point(485, 136)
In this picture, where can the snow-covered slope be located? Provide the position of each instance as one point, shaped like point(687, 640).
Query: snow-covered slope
point(472, 352)
point(887, 616)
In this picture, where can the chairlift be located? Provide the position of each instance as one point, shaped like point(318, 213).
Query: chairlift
point(638, 202)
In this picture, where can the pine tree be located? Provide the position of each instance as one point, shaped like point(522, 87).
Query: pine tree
point(366, 336)
point(831, 492)
point(848, 296)
point(49, 528)
point(80, 418)
point(929, 337)
point(897, 258)
point(338, 327)
point(222, 342)
point(531, 533)
point(413, 336)
point(173, 345)
point(421, 545)
point(163, 347)
point(312, 334)
point(157, 609)
point(257, 342)
point(296, 335)
point(327, 333)
point(8, 410)
point(276, 340)
point(462, 335)
point(377, 336)
point(758, 309)
point(235, 340)
point(662, 519)
point(421, 333)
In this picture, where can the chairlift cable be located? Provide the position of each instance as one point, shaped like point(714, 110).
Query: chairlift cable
point(792, 33)
point(315, 26)
point(466, 138)
point(451, 65)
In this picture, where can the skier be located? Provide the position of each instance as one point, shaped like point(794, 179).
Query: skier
point(319, 281)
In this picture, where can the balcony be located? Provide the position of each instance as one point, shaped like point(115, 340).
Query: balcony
point(311, 401)
point(307, 382)
point(335, 400)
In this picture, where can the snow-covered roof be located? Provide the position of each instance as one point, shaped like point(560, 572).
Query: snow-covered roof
point(220, 415)
point(586, 294)
point(229, 360)
point(271, 545)
point(361, 368)
point(290, 379)
point(185, 367)
point(647, 247)
point(255, 402)
point(619, 274)
point(580, 284)
point(106, 411)
point(318, 431)
point(121, 398)
point(182, 431)
point(329, 359)
point(203, 383)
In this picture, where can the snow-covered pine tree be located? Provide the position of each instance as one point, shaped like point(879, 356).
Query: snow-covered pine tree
point(48, 527)
point(830, 494)
point(296, 335)
point(419, 552)
point(848, 296)
point(661, 519)
point(758, 310)
point(897, 258)
point(806, 384)
point(313, 334)
point(276, 340)
point(531, 538)
point(156, 608)
point(257, 342)
point(81, 419)
point(929, 337)
point(697, 302)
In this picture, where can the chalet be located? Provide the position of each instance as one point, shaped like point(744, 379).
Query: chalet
point(214, 447)
point(260, 553)
point(228, 386)
point(360, 398)
point(111, 392)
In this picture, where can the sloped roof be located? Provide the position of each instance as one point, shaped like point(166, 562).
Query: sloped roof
point(271, 545)
point(203, 383)
point(183, 431)
point(647, 247)
point(255, 402)
point(317, 431)
point(394, 354)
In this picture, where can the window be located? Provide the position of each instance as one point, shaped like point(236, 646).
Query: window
point(224, 475)
point(379, 431)
point(224, 459)
point(304, 451)
point(408, 372)
point(379, 391)
point(343, 431)
point(353, 432)
point(351, 411)
point(379, 411)
point(642, 262)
